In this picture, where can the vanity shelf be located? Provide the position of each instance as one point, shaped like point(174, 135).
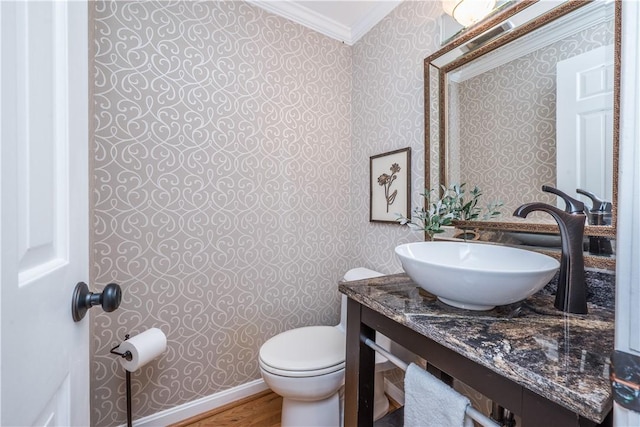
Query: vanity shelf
point(548, 367)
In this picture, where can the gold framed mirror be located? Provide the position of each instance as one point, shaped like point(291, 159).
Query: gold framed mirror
point(496, 113)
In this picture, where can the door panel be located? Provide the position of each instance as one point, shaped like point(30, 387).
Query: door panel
point(42, 198)
point(44, 212)
point(584, 123)
point(56, 411)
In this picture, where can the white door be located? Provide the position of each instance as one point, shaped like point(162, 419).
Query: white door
point(43, 212)
point(584, 123)
point(628, 241)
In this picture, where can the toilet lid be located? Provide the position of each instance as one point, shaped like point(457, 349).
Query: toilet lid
point(309, 348)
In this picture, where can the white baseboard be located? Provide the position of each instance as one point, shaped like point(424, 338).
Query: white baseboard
point(216, 400)
point(394, 392)
point(204, 404)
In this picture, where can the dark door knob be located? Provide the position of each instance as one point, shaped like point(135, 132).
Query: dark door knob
point(83, 300)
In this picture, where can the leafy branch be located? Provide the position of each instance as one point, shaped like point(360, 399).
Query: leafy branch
point(454, 205)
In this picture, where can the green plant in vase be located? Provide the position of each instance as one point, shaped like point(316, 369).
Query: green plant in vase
point(454, 205)
point(431, 217)
point(466, 207)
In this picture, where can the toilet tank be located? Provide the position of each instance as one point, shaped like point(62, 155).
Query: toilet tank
point(362, 273)
point(359, 273)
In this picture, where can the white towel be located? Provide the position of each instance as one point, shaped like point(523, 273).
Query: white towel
point(430, 402)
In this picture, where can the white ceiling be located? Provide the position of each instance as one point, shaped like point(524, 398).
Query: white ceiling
point(345, 20)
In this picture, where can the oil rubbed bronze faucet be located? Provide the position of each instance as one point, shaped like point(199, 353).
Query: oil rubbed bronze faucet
point(571, 296)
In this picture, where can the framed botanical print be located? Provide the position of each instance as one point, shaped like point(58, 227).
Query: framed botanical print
point(390, 186)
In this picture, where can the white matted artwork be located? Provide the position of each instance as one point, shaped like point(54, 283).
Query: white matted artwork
point(390, 185)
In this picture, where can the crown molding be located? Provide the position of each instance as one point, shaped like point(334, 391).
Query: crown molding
point(297, 12)
point(377, 14)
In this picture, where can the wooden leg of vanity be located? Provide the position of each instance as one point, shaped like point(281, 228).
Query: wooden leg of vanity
point(360, 364)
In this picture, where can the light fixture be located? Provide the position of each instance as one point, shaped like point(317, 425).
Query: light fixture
point(468, 12)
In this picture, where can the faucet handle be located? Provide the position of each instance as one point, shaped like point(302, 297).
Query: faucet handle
point(599, 205)
point(573, 207)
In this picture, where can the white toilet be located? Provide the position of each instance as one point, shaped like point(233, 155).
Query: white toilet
point(306, 367)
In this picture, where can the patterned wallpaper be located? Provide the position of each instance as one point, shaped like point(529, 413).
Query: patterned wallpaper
point(221, 189)
point(231, 181)
point(509, 116)
point(388, 114)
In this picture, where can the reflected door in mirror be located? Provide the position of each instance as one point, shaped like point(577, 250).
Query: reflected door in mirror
point(585, 123)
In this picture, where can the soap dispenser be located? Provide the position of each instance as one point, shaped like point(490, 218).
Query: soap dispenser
point(599, 214)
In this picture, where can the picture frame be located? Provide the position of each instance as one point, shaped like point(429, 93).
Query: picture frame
point(390, 186)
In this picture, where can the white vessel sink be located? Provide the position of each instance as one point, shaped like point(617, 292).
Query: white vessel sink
point(476, 276)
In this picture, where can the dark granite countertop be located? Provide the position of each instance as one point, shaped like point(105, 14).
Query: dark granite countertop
point(562, 357)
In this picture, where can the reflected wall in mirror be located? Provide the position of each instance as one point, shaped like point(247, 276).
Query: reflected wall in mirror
point(535, 105)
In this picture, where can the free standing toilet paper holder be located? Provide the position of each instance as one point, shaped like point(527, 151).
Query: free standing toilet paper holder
point(136, 352)
point(127, 355)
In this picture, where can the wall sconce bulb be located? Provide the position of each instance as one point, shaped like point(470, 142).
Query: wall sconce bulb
point(468, 12)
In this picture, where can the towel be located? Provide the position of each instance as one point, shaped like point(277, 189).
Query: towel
point(430, 402)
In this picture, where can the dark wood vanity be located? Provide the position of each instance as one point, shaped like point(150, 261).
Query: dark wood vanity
point(547, 367)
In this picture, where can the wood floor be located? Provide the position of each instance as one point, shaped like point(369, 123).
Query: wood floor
point(260, 410)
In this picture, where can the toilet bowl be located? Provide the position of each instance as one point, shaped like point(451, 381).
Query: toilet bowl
point(306, 367)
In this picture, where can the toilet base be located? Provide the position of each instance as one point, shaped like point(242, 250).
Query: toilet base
point(319, 413)
point(306, 413)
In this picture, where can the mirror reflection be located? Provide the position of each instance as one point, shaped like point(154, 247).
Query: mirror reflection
point(535, 112)
point(533, 106)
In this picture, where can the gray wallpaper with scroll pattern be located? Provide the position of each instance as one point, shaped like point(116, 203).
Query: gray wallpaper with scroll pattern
point(231, 180)
point(221, 190)
point(388, 114)
point(229, 192)
point(509, 116)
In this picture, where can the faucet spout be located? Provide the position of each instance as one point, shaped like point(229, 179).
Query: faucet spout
point(571, 296)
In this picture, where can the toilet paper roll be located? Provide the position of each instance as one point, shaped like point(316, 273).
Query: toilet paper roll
point(144, 348)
